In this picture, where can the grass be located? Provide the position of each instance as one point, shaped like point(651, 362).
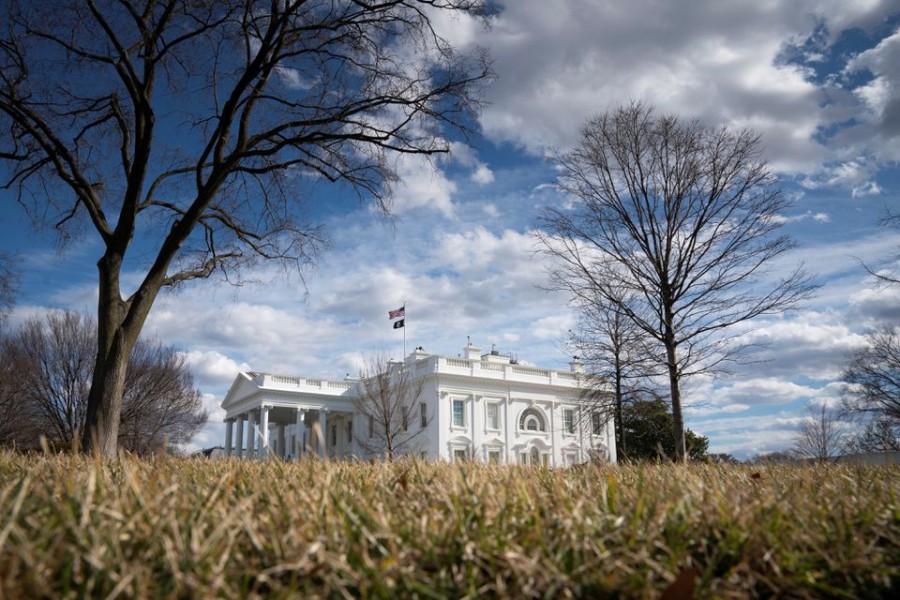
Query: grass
point(71, 527)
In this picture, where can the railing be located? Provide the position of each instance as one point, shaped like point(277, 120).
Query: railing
point(530, 371)
point(491, 367)
point(458, 362)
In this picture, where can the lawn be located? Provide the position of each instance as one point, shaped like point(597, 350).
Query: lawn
point(74, 527)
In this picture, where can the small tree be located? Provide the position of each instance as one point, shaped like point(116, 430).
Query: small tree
point(872, 378)
point(820, 435)
point(648, 427)
point(47, 376)
point(683, 216)
point(390, 405)
point(616, 352)
point(879, 434)
point(888, 275)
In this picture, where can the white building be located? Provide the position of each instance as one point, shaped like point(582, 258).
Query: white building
point(483, 407)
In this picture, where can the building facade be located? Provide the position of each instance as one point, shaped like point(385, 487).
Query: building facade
point(483, 407)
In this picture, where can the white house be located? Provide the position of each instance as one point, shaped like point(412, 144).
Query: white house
point(482, 407)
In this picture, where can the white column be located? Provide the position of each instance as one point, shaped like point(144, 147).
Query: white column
point(301, 425)
point(251, 436)
point(239, 438)
point(263, 431)
point(229, 423)
point(282, 450)
point(323, 430)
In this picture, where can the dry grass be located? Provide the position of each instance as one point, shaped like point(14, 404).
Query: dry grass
point(70, 527)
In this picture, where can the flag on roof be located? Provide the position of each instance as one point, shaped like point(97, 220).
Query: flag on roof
point(396, 314)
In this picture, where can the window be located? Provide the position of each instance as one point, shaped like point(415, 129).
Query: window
point(493, 415)
point(404, 415)
point(423, 415)
point(349, 432)
point(569, 420)
point(371, 426)
point(459, 413)
point(571, 458)
point(494, 456)
point(596, 423)
point(532, 420)
point(333, 436)
point(460, 455)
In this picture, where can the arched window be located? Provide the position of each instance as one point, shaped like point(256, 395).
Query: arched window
point(532, 420)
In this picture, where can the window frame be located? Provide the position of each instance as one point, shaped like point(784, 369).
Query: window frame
point(492, 424)
point(569, 421)
point(462, 413)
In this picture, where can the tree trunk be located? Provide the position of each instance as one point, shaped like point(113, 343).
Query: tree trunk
point(119, 323)
point(620, 425)
point(675, 393)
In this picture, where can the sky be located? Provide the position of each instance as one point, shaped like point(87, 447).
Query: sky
point(818, 80)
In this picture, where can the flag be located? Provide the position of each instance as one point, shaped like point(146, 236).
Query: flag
point(396, 314)
point(399, 324)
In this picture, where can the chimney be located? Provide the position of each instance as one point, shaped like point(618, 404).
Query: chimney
point(577, 366)
point(471, 352)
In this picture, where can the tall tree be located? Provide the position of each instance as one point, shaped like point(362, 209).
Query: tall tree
point(682, 215)
point(390, 404)
point(193, 126)
point(47, 373)
point(820, 435)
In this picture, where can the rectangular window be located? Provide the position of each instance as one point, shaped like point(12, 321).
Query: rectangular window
point(569, 420)
point(460, 455)
point(494, 456)
point(349, 432)
point(404, 414)
point(459, 413)
point(493, 415)
point(596, 423)
point(333, 436)
point(371, 426)
point(423, 415)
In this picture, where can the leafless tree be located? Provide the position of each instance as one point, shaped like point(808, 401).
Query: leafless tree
point(684, 217)
point(820, 435)
point(878, 434)
point(390, 402)
point(48, 364)
point(617, 355)
point(871, 389)
point(194, 126)
point(888, 275)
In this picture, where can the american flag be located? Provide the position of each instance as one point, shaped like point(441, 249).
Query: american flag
point(396, 314)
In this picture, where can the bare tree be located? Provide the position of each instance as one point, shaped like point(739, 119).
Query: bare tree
point(616, 352)
point(872, 381)
point(888, 275)
point(820, 435)
point(192, 126)
point(47, 373)
point(879, 434)
point(390, 403)
point(683, 216)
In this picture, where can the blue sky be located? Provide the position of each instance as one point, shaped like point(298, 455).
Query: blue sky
point(819, 80)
